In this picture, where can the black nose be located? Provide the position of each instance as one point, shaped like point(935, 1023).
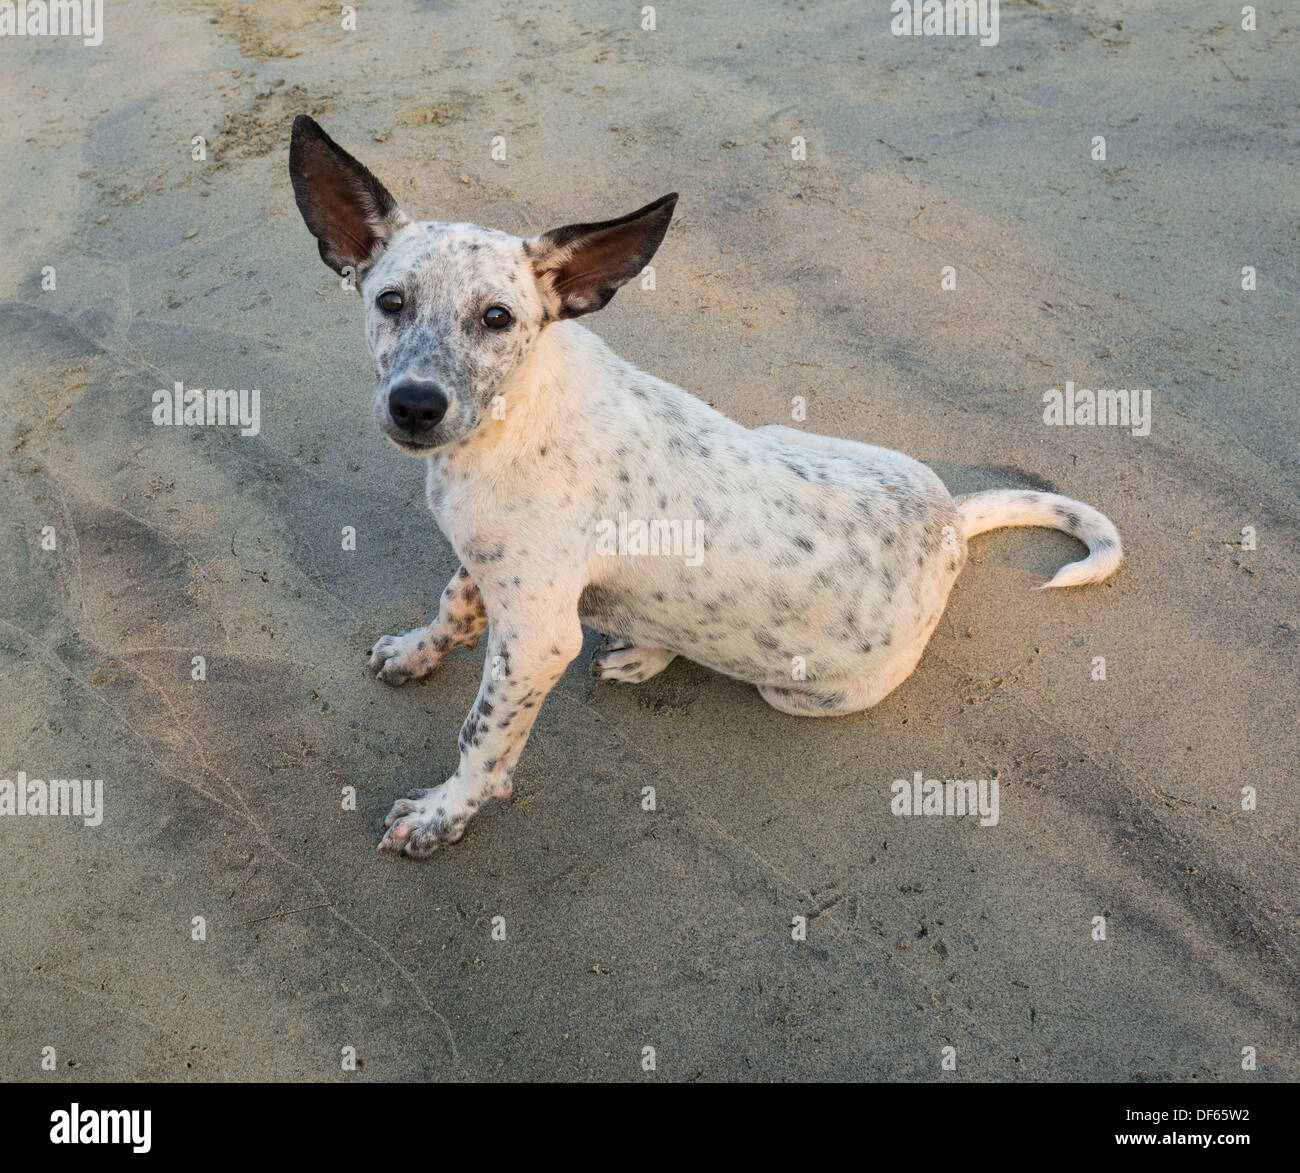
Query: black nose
point(416, 405)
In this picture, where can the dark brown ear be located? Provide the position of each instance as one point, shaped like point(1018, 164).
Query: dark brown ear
point(580, 267)
point(347, 209)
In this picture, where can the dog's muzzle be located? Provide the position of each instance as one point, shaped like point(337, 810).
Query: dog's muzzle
point(416, 407)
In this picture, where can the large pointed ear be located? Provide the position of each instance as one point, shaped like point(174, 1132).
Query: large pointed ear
point(347, 209)
point(580, 267)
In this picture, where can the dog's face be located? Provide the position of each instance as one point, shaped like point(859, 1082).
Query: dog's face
point(452, 313)
point(453, 310)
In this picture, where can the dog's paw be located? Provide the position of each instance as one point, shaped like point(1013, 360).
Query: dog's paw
point(626, 663)
point(395, 659)
point(422, 822)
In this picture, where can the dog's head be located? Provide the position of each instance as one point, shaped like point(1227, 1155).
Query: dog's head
point(453, 310)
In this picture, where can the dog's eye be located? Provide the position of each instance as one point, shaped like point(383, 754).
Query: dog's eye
point(497, 317)
point(390, 301)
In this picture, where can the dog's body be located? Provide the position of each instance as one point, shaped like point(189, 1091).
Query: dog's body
point(824, 564)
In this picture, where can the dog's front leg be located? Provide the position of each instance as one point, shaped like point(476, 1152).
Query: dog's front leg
point(395, 659)
point(528, 652)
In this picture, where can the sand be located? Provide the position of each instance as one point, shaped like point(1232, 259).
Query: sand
point(817, 278)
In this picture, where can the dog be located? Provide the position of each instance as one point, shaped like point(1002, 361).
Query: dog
point(823, 564)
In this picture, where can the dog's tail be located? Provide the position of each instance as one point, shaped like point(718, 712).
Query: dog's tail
point(1005, 507)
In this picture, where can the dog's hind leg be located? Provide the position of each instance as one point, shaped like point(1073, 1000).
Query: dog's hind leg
point(806, 702)
point(850, 697)
point(624, 662)
point(395, 659)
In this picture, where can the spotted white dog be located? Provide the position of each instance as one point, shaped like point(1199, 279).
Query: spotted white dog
point(823, 565)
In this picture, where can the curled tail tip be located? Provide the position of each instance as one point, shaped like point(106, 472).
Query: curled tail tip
point(1102, 561)
point(1073, 575)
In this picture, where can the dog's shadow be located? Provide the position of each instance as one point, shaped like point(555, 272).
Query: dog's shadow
point(974, 478)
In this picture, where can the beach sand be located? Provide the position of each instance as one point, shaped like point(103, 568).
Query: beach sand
point(781, 277)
